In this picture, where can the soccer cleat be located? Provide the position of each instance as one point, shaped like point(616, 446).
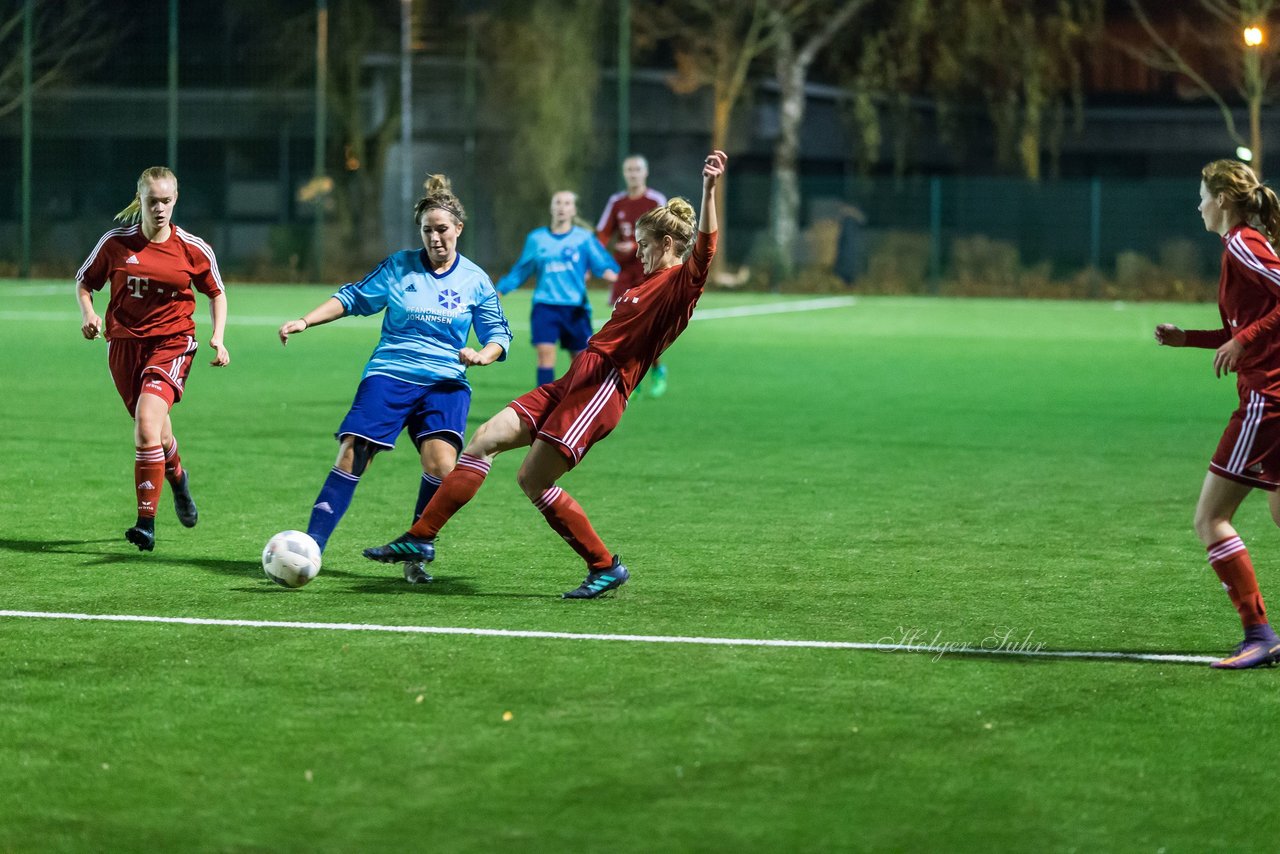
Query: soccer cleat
point(183, 504)
point(143, 538)
point(658, 387)
point(601, 581)
point(404, 547)
point(1251, 654)
point(415, 572)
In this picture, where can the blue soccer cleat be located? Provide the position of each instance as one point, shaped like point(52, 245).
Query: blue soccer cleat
point(405, 547)
point(601, 581)
point(1251, 653)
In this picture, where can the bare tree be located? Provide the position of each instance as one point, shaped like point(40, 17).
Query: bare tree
point(1192, 50)
point(70, 39)
point(1022, 58)
point(800, 30)
point(715, 43)
point(542, 78)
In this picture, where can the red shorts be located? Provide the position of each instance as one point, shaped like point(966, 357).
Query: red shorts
point(577, 410)
point(156, 366)
point(1249, 451)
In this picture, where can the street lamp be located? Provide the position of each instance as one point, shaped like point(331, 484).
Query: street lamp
point(1254, 36)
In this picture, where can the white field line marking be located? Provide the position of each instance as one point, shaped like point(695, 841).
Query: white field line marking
point(702, 641)
point(705, 314)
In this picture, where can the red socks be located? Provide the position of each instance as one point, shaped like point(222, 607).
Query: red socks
point(148, 475)
point(567, 518)
point(1230, 560)
point(458, 487)
point(173, 463)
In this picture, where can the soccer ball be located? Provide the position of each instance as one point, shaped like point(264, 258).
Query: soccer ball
point(291, 558)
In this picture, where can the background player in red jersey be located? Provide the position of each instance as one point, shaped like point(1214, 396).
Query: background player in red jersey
point(1235, 205)
point(154, 268)
point(617, 230)
point(563, 419)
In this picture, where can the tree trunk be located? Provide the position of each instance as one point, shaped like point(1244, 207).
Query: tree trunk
point(785, 219)
point(1255, 133)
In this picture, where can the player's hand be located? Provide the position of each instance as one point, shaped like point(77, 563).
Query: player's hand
point(1226, 357)
point(293, 327)
point(713, 167)
point(1170, 335)
point(221, 357)
point(471, 358)
point(92, 327)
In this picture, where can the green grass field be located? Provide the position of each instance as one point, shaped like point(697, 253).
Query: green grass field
point(955, 470)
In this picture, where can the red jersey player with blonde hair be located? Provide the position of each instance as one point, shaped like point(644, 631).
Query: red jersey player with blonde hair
point(1235, 205)
point(617, 230)
point(560, 421)
point(154, 268)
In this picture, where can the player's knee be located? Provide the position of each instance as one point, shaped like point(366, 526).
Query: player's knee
point(362, 453)
point(531, 484)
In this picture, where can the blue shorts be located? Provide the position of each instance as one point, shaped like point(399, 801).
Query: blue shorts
point(566, 325)
point(384, 406)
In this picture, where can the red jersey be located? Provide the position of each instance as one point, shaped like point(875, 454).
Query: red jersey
point(151, 283)
point(619, 219)
point(652, 314)
point(1249, 303)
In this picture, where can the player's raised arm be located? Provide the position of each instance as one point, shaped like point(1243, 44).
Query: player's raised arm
point(714, 166)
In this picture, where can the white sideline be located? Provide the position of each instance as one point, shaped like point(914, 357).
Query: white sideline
point(516, 633)
point(705, 314)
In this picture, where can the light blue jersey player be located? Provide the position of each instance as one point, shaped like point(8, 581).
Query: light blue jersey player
point(561, 255)
point(431, 300)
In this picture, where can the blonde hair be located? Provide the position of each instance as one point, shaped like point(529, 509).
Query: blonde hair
point(1245, 193)
point(133, 211)
point(676, 218)
point(439, 194)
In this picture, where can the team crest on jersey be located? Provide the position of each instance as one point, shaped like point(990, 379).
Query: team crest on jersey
point(569, 254)
point(450, 300)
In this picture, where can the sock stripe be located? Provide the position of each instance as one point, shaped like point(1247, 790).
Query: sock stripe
point(435, 481)
point(1225, 548)
point(474, 463)
point(173, 450)
point(547, 498)
point(345, 475)
point(150, 455)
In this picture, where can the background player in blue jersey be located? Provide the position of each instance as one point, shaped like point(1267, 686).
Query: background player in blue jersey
point(416, 378)
point(561, 255)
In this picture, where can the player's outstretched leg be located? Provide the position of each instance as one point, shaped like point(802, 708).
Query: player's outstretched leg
point(600, 581)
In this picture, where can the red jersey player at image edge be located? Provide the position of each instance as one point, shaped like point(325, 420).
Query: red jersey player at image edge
point(616, 230)
point(560, 421)
point(154, 268)
point(1246, 215)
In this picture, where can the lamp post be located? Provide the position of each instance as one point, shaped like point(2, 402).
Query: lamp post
point(1255, 38)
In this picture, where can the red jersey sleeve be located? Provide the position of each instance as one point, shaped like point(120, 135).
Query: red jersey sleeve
point(698, 263)
point(1207, 339)
point(205, 276)
point(608, 222)
point(96, 270)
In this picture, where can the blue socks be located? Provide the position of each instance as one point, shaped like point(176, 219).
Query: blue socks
point(331, 503)
point(426, 489)
point(546, 375)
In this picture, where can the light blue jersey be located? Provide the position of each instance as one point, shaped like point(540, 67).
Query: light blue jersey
point(561, 262)
point(428, 316)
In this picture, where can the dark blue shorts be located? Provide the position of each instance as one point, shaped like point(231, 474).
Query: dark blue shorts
point(566, 325)
point(384, 406)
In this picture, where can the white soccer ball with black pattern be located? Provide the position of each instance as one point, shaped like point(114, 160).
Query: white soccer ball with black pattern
point(291, 558)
